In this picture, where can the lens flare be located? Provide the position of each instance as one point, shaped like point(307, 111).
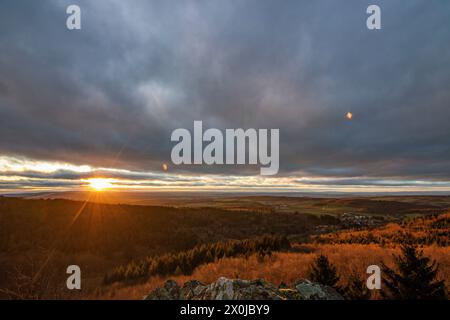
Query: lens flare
point(99, 184)
point(349, 115)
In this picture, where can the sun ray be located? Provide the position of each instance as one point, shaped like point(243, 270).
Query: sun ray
point(100, 184)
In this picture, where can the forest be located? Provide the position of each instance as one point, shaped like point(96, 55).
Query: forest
point(42, 237)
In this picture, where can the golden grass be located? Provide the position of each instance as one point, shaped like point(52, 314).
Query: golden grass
point(283, 267)
point(420, 229)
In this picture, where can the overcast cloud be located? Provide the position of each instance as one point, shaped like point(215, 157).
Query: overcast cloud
point(110, 94)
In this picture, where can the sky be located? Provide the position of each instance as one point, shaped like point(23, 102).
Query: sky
point(101, 102)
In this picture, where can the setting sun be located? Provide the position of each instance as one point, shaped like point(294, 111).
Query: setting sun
point(99, 184)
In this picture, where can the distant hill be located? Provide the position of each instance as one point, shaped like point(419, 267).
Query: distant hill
point(304, 203)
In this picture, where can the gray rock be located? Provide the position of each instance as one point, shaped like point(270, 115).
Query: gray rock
point(314, 291)
point(237, 289)
point(191, 290)
point(170, 291)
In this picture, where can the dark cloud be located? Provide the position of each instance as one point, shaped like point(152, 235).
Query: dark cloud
point(110, 94)
point(66, 174)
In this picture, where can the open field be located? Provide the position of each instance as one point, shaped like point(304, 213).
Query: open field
point(320, 204)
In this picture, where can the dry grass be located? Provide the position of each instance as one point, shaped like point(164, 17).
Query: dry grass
point(423, 230)
point(284, 267)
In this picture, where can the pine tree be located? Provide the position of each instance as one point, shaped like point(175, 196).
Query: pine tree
point(415, 279)
point(178, 271)
point(323, 272)
point(356, 289)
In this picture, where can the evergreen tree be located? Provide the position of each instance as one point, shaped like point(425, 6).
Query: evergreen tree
point(356, 289)
point(178, 271)
point(415, 279)
point(323, 272)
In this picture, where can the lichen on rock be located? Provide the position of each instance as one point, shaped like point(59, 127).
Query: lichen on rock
point(238, 289)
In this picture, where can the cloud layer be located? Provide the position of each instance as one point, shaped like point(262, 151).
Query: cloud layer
point(110, 94)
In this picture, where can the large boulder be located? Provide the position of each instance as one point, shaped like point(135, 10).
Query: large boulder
point(308, 290)
point(237, 289)
point(170, 291)
point(192, 290)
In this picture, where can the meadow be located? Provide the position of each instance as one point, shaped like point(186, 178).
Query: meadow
point(282, 267)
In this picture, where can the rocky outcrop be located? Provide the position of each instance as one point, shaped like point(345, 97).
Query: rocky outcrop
point(313, 291)
point(237, 289)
